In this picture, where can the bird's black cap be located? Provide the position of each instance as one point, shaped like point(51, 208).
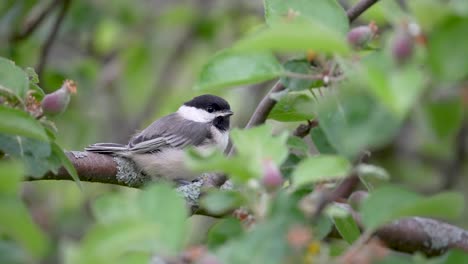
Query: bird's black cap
point(207, 101)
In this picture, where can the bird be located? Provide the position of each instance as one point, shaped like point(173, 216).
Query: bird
point(158, 150)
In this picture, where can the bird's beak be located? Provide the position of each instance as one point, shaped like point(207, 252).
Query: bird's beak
point(227, 113)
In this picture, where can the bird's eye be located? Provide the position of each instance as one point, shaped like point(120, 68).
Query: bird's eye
point(210, 109)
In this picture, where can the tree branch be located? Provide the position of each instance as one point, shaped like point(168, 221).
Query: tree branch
point(356, 10)
point(51, 38)
point(31, 26)
point(413, 234)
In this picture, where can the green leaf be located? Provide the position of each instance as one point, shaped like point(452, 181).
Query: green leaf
point(354, 121)
point(13, 78)
point(345, 224)
point(229, 68)
point(16, 221)
point(327, 12)
point(258, 143)
point(400, 203)
point(220, 202)
point(397, 88)
point(223, 231)
point(17, 122)
point(370, 174)
point(297, 143)
point(66, 163)
point(267, 242)
point(12, 254)
point(321, 141)
point(162, 205)
point(445, 45)
point(154, 220)
point(36, 154)
point(292, 37)
point(293, 107)
point(429, 12)
point(11, 174)
point(444, 117)
point(320, 168)
point(455, 256)
point(301, 66)
point(253, 147)
point(216, 161)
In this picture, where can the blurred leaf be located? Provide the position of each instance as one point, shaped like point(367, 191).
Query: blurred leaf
point(454, 256)
point(65, 161)
point(15, 221)
point(327, 12)
point(320, 168)
point(112, 208)
point(345, 224)
point(13, 78)
point(36, 154)
point(220, 202)
point(229, 68)
point(293, 107)
point(289, 165)
point(17, 122)
point(354, 121)
point(106, 36)
point(297, 143)
point(323, 227)
point(258, 144)
point(11, 174)
point(397, 88)
point(428, 12)
point(226, 229)
point(253, 147)
point(237, 167)
point(400, 203)
point(267, 242)
point(369, 174)
point(444, 116)
point(445, 45)
point(155, 220)
point(12, 254)
point(321, 141)
point(162, 205)
point(301, 66)
point(290, 37)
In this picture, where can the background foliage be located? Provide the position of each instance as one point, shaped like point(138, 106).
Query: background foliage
point(399, 92)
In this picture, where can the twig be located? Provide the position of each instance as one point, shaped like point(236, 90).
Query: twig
point(265, 106)
point(31, 26)
point(359, 8)
point(303, 129)
point(165, 78)
point(51, 38)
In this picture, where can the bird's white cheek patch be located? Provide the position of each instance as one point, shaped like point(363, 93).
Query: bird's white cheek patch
point(195, 114)
point(221, 138)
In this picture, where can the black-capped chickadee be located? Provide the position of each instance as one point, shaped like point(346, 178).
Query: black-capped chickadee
point(157, 151)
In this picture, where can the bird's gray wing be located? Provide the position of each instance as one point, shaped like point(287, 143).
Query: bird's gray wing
point(170, 132)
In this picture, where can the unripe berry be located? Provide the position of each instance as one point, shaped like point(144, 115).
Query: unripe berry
point(272, 178)
point(358, 37)
point(356, 198)
point(56, 102)
point(402, 47)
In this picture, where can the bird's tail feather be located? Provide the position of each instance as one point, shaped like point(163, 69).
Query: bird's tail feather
point(107, 148)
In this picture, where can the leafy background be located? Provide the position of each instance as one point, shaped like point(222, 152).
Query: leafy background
point(134, 61)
